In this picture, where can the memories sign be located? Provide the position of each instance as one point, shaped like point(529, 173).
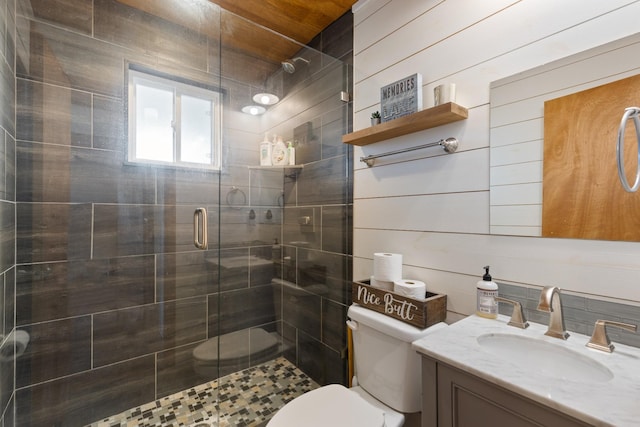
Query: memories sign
point(401, 98)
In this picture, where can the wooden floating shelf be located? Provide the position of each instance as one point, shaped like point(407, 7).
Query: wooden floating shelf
point(425, 119)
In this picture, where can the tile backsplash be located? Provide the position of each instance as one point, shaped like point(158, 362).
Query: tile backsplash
point(580, 313)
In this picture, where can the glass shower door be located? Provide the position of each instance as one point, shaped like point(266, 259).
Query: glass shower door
point(110, 289)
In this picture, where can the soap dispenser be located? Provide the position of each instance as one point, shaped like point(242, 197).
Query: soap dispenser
point(265, 151)
point(487, 290)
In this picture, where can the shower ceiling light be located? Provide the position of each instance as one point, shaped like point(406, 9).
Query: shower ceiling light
point(265, 98)
point(254, 110)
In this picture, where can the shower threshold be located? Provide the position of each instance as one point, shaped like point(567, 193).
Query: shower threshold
point(246, 398)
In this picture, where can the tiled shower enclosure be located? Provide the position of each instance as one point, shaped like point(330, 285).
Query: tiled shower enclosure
point(104, 277)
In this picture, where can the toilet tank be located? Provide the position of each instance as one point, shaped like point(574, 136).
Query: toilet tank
point(386, 366)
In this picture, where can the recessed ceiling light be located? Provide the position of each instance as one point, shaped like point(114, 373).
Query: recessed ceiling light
point(265, 98)
point(254, 110)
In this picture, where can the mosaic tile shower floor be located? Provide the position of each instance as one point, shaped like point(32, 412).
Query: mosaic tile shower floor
point(246, 398)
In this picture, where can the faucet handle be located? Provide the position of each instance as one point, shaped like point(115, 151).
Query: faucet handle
point(517, 317)
point(600, 340)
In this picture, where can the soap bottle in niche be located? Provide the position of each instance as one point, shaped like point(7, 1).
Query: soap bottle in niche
point(292, 153)
point(487, 306)
point(279, 153)
point(265, 151)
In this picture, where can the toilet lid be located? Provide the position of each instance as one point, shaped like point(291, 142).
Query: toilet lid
point(332, 405)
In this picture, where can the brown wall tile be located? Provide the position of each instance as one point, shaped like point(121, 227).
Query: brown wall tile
point(244, 309)
point(109, 123)
point(320, 362)
point(8, 190)
point(54, 173)
point(139, 31)
point(334, 332)
point(121, 230)
point(53, 232)
point(180, 186)
point(55, 349)
point(72, 288)
point(123, 334)
point(9, 298)
point(7, 235)
point(302, 310)
point(76, 15)
point(323, 183)
point(64, 58)
point(337, 223)
point(7, 367)
point(53, 114)
point(176, 371)
point(185, 275)
point(7, 97)
point(89, 396)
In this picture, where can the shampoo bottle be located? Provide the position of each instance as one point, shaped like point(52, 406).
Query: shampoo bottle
point(265, 151)
point(279, 153)
point(292, 154)
point(487, 289)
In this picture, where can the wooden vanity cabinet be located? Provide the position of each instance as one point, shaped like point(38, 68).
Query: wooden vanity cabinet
point(452, 397)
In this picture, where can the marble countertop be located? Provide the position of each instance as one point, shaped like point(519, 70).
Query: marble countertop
point(613, 402)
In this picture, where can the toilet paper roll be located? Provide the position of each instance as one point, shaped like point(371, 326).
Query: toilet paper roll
point(8, 352)
point(381, 284)
point(410, 288)
point(387, 267)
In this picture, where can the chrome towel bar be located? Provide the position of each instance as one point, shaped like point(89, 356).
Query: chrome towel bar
point(450, 145)
point(629, 113)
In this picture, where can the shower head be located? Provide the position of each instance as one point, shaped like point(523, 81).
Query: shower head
point(289, 65)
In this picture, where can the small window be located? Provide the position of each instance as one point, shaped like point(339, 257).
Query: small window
point(172, 122)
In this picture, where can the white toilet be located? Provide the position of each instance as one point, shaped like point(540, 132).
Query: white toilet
point(388, 373)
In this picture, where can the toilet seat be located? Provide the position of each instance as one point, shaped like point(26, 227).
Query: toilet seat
point(332, 405)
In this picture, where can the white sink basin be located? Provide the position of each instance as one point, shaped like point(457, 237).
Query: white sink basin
point(545, 358)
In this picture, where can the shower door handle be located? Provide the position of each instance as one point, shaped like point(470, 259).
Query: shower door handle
point(200, 229)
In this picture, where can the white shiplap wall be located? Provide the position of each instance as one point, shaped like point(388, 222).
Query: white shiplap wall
point(434, 208)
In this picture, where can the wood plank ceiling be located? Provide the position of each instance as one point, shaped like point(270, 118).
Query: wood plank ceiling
point(299, 20)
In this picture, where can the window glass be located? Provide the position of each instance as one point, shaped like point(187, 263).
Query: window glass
point(154, 118)
point(172, 122)
point(195, 135)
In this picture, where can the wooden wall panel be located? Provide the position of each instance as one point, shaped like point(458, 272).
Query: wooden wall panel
point(517, 116)
point(582, 196)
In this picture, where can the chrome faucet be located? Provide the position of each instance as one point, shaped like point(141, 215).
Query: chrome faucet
point(550, 303)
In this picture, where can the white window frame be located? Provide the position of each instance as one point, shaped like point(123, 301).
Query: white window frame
point(179, 88)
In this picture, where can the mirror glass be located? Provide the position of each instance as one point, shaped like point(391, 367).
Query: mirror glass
point(517, 129)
